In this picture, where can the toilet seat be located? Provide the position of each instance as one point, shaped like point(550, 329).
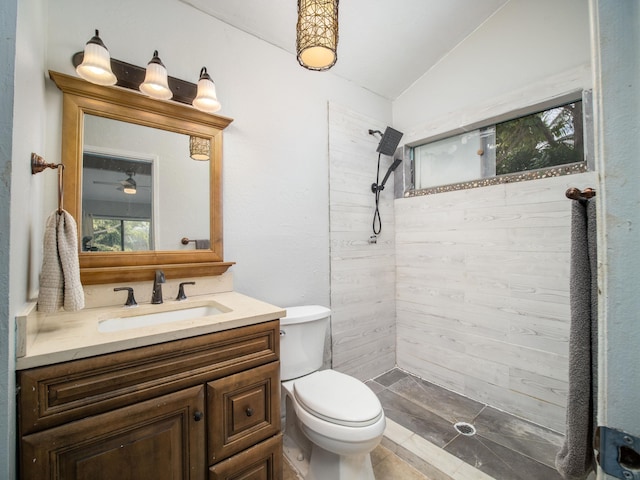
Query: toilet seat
point(337, 398)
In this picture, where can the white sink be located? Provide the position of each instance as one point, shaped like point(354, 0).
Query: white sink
point(132, 320)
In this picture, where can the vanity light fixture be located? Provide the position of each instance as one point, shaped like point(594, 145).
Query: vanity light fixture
point(96, 63)
point(199, 148)
point(155, 81)
point(206, 99)
point(317, 34)
point(152, 81)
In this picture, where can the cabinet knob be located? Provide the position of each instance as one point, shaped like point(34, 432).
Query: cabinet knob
point(197, 416)
point(249, 411)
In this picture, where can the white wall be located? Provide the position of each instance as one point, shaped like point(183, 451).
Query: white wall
point(275, 170)
point(26, 125)
point(466, 318)
point(543, 43)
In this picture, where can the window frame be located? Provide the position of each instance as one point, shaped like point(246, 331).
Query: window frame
point(587, 164)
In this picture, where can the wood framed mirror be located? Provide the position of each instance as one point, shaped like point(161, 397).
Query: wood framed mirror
point(183, 195)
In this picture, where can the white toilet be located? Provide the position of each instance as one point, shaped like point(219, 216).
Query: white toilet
point(340, 418)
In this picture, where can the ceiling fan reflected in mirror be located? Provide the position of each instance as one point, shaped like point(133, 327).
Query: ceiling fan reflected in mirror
point(128, 185)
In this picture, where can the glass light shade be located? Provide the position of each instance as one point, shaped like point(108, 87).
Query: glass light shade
point(130, 190)
point(317, 34)
point(199, 148)
point(155, 80)
point(96, 63)
point(206, 99)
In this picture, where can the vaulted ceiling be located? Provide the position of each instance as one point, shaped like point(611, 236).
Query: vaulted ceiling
point(384, 45)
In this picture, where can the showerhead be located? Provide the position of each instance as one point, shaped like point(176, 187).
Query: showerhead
point(389, 141)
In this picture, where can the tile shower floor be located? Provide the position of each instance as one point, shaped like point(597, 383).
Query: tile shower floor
point(420, 431)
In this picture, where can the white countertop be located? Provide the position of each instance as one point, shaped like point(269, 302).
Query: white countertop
point(45, 339)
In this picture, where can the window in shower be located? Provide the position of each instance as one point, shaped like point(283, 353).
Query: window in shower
point(533, 143)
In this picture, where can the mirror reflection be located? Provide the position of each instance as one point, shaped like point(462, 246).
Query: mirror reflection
point(141, 190)
point(117, 203)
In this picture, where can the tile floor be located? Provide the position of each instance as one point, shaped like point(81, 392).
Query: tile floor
point(420, 431)
point(386, 466)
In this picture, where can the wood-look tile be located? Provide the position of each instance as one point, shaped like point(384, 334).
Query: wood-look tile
point(389, 378)
point(379, 454)
point(424, 466)
point(498, 461)
point(288, 472)
point(428, 425)
point(374, 386)
point(391, 467)
point(482, 293)
point(444, 403)
point(516, 434)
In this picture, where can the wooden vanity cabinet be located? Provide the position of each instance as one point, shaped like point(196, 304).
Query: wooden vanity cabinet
point(206, 407)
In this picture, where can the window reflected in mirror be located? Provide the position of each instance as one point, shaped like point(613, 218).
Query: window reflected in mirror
point(117, 203)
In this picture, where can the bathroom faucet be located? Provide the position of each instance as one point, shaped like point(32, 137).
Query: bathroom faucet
point(158, 280)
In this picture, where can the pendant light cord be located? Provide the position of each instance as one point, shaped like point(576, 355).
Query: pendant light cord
point(376, 214)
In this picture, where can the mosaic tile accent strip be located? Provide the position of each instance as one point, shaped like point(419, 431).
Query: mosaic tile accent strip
point(558, 171)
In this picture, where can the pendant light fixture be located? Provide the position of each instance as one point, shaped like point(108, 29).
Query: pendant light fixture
point(317, 34)
point(96, 63)
point(155, 80)
point(199, 148)
point(206, 99)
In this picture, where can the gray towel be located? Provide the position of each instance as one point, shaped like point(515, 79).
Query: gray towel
point(60, 276)
point(203, 244)
point(575, 460)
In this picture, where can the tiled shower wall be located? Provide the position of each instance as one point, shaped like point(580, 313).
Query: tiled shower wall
point(362, 273)
point(483, 293)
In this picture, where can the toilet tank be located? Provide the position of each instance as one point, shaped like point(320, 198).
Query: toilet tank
point(302, 335)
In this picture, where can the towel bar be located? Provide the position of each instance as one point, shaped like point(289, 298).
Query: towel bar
point(38, 165)
point(575, 193)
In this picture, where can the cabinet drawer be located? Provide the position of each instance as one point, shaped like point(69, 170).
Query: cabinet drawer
point(61, 393)
point(263, 461)
point(243, 409)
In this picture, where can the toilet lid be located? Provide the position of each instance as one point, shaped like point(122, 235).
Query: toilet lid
point(337, 398)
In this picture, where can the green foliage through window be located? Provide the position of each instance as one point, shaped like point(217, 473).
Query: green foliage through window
point(545, 139)
point(118, 235)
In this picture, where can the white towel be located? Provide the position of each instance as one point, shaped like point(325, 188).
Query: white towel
point(60, 276)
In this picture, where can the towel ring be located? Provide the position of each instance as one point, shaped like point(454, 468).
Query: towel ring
point(38, 165)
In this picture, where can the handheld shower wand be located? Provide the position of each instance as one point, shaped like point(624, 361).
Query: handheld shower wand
point(387, 146)
point(375, 187)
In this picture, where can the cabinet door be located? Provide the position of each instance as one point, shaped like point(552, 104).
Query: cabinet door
point(243, 409)
point(158, 439)
point(261, 462)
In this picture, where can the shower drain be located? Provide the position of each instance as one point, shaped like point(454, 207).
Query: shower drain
point(465, 428)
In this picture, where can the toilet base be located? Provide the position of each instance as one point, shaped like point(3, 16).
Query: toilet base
point(325, 465)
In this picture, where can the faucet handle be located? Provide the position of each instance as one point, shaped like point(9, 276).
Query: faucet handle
point(131, 301)
point(181, 295)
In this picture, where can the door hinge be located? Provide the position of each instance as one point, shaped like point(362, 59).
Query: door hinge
point(618, 453)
